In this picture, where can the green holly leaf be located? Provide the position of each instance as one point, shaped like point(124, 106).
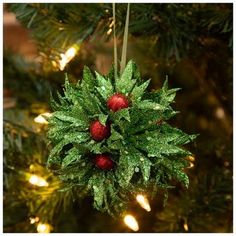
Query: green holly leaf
point(88, 78)
point(182, 177)
point(98, 187)
point(72, 157)
point(142, 162)
point(89, 102)
point(115, 145)
point(114, 135)
point(69, 138)
point(94, 147)
point(150, 105)
point(103, 119)
point(136, 73)
point(174, 136)
point(105, 87)
point(157, 149)
point(78, 112)
point(121, 114)
point(125, 169)
point(66, 117)
point(69, 91)
point(138, 91)
point(125, 83)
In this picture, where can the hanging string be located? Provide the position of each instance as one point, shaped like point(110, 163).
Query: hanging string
point(114, 35)
point(125, 42)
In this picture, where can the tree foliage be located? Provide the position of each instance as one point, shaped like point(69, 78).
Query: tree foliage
point(173, 29)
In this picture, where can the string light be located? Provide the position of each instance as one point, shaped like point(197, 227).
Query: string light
point(191, 165)
point(220, 113)
point(68, 56)
point(112, 23)
point(43, 228)
point(143, 202)
point(131, 222)
point(185, 226)
point(38, 181)
point(40, 119)
point(109, 31)
point(190, 158)
point(34, 220)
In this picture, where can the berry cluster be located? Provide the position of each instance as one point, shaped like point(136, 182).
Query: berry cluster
point(100, 132)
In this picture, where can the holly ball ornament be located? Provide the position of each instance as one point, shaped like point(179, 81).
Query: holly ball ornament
point(90, 128)
point(98, 131)
point(104, 162)
point(117, 102)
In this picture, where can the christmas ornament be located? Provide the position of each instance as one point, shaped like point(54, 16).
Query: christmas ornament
point(104, 162)
point(99, 131)
point(117, 102)
point(110, 137)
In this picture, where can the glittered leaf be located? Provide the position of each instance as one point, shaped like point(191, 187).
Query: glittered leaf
point(88, 78)
point(175, 168)
point(89, 101)
point(105, 87)
point(125, 83)
point(103, 119)
point(156, 149)
point(68, 139)
point(142, 162)
point(182, 177)
point(69, 91)
point(95, 147)
point(97, 185)
point(146, 168)
point(121, 114)
point(63, 116)
point(125, 169)
point(174, 136)
point(114, 135)
point(136, 73)
point(138, 91)
point(148, 104)
point(72, 156)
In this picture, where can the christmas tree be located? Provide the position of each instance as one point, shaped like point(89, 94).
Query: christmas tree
point(124, 118)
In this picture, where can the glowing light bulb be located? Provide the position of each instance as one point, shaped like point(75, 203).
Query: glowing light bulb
point(220, 113)
point(68, 56)
point(34, 220)
point(191, 165)
point(109, 31)
point(43, 228)
point(143, 202)
point(38, 181)
point(131, 222)
point(40, 119)
point(190, 158)
point(112, 23)
point(185, 226)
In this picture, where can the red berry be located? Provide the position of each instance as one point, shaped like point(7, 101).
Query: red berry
point(104, 162)
point(98, 131)
point(117, 101)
